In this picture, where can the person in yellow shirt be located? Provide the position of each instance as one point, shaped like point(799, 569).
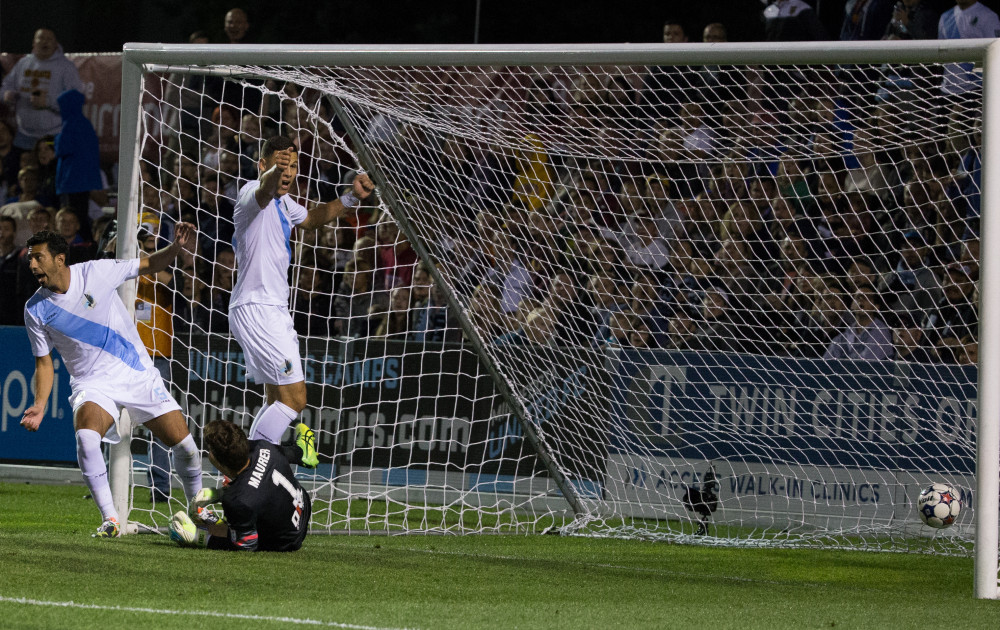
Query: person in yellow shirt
point(535, 183)
point(154, 321)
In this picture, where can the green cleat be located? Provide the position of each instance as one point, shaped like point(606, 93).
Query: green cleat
point(306, 440)
point(108, 529)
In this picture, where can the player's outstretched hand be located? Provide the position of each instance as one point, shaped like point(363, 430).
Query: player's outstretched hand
point(363, 186)
point(32, 417)
point(184, 235)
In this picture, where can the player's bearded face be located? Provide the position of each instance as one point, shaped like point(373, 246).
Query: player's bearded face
point(41, 264)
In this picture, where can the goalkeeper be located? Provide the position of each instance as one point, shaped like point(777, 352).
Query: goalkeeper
point(264, 507)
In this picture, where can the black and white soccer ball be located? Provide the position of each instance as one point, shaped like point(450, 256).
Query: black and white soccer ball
point(939, 505)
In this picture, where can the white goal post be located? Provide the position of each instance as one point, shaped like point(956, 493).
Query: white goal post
point(587, 474)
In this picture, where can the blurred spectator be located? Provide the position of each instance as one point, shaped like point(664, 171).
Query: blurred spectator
point(969, 19)
point(967, 351)
point(619, 328)
point(912, 19)
point(640, 336)
point(818, 323)
point(154, 321)
point(397, 259)
point(68, 226)
point(538, 329)
point(394, 324)
point(215, 216)
point(867, 337)
point(10, 160)
point(312, 303)
point(865, 19)
point(956, 314)
point(485, 312)
point(717, 330)
point(356, 301)
point(21, 212)
point(646, 301)
point(11, 308)
point(430, 317)
point(509, 272)
point(28, 183)
point(45, 157)
point(33, 85)
point(40, 219)
point(575, 324)
point(907, 341)
point(211, 305)
point(78, 154)
point(229, 175)
point(534, 182)
point(236, 26)
point(911, 280)
point(188, 116)
point(666, 88)
point(646, 246)
point(792, 21)
point(605, 295)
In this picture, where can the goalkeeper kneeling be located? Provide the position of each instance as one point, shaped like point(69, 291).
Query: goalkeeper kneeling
point(265, 508)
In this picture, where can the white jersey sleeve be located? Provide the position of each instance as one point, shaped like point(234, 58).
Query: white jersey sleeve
point(262, 242)
point(38, 336)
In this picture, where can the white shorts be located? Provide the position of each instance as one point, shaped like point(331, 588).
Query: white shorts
point(269, 342)
point(145, 396)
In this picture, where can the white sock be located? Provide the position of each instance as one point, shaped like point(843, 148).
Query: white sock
point(187, 460)
point(271, 424)
point(95, 471)
point(256, 420)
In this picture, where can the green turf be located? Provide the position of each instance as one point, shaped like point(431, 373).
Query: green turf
point(47, 555)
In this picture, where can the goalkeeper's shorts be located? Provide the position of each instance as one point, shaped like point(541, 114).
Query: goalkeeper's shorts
point(145, 396)
point(269, 342)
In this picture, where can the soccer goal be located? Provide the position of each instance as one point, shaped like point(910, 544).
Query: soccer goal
point(713, 294)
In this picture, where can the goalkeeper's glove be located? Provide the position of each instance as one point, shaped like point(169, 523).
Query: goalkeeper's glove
point(204, 497)
point(185, 533)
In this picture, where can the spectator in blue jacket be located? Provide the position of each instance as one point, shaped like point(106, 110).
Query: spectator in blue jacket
point(78, 167)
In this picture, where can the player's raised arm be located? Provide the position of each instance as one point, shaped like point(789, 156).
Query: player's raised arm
point(324, 213)
point(41, 388)
point(184, 235)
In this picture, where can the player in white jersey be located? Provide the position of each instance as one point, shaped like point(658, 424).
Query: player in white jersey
point(968, 19)
point(258, 311)
point(77, 311)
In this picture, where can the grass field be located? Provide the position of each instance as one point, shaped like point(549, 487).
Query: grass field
point(54, 575)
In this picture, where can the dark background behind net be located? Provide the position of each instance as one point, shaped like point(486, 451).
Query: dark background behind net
point(104, 25)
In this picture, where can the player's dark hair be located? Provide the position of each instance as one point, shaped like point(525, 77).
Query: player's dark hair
point(53, 240)
point(227, 443)
point(11, 220)
point(276, 143)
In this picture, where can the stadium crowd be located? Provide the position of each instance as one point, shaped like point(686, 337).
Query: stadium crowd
point(787, 212)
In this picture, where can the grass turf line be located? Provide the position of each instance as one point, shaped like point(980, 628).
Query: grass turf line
point(47, 555)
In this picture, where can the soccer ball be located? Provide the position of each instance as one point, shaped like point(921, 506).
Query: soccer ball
point(939, 505)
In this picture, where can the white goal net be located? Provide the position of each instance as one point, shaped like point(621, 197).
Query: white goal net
point(723, 304)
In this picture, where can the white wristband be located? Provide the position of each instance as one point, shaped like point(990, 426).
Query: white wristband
point(350, 200)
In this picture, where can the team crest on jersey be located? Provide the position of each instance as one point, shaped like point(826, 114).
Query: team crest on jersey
point(88, 300)
point(287, 367)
